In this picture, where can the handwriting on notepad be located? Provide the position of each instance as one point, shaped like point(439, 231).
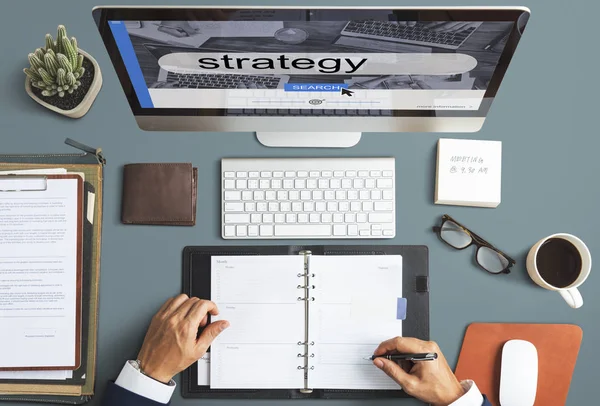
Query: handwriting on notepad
point(468, 165)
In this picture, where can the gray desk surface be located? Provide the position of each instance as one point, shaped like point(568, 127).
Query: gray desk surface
point(544, 115)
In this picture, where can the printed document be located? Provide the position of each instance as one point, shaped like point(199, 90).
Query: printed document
point(38, 276)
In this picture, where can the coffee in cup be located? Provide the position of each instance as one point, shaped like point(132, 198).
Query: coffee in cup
point(560, 262)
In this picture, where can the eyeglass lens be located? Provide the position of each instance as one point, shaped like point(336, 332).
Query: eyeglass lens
point(491, 260)
point(455, 235)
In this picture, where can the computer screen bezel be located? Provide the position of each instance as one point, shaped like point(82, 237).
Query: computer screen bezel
point(104, 14)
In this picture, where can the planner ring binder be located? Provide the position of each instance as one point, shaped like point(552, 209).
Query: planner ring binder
point(306, 286)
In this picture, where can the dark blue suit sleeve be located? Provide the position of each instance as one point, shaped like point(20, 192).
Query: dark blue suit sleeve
point(486, 402)
point(117, 396)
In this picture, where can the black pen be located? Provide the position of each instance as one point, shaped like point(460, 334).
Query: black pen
point(498, 39)
point(430, 356)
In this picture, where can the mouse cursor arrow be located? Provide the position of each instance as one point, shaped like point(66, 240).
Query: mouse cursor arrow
point(346, 92)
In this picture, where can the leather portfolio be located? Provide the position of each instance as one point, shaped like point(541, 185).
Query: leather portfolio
point(159, 194)
point(415, 289)
point(78, 389)
point(557, 346)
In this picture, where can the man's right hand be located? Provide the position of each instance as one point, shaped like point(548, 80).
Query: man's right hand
point(171, 345)
point(430, 381)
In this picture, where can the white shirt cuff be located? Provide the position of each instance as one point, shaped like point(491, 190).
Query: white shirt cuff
point(134, 381)
point(472, 396)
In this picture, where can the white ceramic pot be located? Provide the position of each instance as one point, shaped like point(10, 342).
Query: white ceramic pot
point(87, 101)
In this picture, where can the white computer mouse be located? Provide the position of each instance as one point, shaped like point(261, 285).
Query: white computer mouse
point(518, 373)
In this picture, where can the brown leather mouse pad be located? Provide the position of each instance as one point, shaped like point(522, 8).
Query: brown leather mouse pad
point(557, 346)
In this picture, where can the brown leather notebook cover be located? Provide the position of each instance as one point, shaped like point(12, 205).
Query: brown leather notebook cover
point(557, 346)
point(79, 260)
point(159, 194)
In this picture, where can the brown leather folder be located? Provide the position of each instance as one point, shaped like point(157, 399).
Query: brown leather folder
point(557, 346)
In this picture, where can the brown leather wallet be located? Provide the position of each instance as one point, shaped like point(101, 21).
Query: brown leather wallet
point(159, 194)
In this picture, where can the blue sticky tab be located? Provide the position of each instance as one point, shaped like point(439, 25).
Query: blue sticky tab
point(401, 308)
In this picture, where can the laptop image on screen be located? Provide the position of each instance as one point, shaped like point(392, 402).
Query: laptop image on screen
point(178, 78)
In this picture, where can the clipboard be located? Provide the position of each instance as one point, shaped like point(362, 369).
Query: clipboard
point(415, 282)
point(38, 183)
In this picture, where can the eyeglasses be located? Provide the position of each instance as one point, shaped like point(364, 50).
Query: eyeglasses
point(490, 258)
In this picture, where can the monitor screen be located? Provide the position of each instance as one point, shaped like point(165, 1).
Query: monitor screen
point(285, 62)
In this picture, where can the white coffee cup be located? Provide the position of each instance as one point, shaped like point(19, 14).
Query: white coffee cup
point(569, 293)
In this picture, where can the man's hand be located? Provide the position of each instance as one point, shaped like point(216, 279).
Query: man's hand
point(171, 345)
point(430, 381)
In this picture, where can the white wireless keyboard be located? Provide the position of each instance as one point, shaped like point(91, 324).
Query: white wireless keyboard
point(308, 198)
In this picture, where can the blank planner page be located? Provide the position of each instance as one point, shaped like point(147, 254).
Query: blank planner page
point(354, 309)
point(258, 295)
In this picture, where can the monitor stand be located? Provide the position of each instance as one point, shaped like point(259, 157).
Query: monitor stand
point(309, 139)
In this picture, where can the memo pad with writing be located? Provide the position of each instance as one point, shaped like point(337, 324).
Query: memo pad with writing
point(469, 173)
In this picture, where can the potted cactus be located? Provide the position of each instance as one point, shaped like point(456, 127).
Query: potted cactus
point(62, 77)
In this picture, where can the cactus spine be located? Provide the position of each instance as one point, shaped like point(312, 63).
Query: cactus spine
point(56, 68)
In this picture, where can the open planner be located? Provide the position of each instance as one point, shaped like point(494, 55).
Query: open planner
point(303, 320)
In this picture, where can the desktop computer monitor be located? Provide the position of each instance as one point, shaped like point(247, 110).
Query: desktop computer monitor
point(315, 76)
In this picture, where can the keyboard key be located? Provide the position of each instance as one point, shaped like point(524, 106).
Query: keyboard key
point(282, 195)
point(249, 207)
point(367, 206)
point(261, 206)
point(237, 218)
point(375, 174)
point(355, 206)
point(233, 195)
point(252, 184)
point(290, 174)
point(259, 195)
point(376, 233)
point(317, 195)
point(363, 174)
point(335, 184)
point(346, 183)
point(352, 230)
point(300, 184)
point(352, 195)
point(388, 174)
point(288, 184)
point(273, 206)
point(265, 183)
point(375, 194)
point(270, 195)
point(351, 174)
point(280, 218)
point(294, 195)
point(381, 217)
point(234, 206)
point(290, 218)
point(285, 206)
point(314, 174)
point(315, 218)
point(326, 218)
point(384, 206)
point(266, 231)
point(302, 218)
point(267, 218)
point(339, 230)
point(370, 183)
point(246, 195)
point(365, 233)
point(388, 195)
point(302, 174)
point(343, 206)
point(338, 218)
point(241, 174)
point(255, 218)
point(338, 174)
point(320, 207)
point(323, 183)
point(241, 184)
point(349, 218)
point(308, 230)
point(326, 174)
point(311, 183)
point(241, 231)
point(340, 195)
point(229, 174)
point(252, 231)
point(253, 174)
point(229, 231)
point(276, 183)
point(266, 174)
point(278, 174)
point(332, 206)
point(388, 233)
point(229, 184)
point(329, 195)
point(309, 206)
point(385, 183)
point(364, 195)
point(359, 183)
point(296, 207)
